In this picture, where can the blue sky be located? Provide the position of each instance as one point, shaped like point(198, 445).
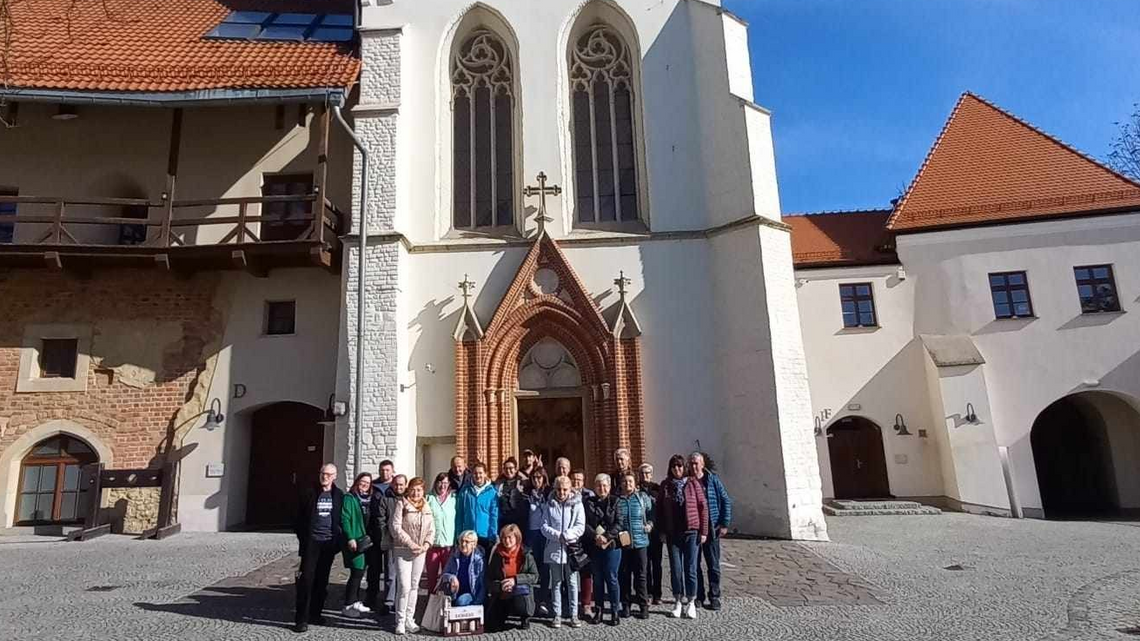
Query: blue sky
point(859, 89)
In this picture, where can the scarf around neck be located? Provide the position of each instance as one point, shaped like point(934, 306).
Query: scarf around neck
point(679, 489)
point(512, 560)
point(417, 505)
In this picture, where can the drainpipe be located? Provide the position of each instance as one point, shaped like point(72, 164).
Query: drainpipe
point(361, 274)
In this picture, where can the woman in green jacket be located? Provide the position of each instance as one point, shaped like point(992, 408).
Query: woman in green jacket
point(353, 518)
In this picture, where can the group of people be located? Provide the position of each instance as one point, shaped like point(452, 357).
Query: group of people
point(530, 543)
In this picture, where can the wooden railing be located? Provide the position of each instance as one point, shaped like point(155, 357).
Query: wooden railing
point(325, 221)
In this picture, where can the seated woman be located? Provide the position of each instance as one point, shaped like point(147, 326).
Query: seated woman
point(512, 576)
point(462, 578)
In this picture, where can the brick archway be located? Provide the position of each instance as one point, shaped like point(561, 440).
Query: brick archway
point(554, 305)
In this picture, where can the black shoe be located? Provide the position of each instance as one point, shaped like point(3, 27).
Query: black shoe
point(714, 604)
point(300, 627)
point(625, 611)
point(643, 612)
point(525, 625)
point(594, 618)
point(615, 619)
point(383, 610)
point(318, 620)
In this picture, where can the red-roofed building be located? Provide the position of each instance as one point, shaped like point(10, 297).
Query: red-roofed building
point(971, 347)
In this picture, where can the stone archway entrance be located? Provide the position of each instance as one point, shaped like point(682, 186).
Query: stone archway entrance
point(1086, 448)
point(546, 346)
point(858, 462)
point(286, 449)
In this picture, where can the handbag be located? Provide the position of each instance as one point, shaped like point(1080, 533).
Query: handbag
point(625, 539)
point(576, 556)
point(436, 612)
point(363, 544)
point(520, 590)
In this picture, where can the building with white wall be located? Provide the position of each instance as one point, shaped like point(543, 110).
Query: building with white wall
point(621, 309)
point(988, 313)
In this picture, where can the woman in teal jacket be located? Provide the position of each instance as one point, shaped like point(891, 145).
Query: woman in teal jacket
point(442, 504)
point(353, 516)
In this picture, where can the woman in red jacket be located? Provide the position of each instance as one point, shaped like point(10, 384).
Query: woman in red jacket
point(683, 515)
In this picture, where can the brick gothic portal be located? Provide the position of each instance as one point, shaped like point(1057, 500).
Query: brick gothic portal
point(548, 333)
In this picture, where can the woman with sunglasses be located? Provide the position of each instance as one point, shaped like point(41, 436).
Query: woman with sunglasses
point(683, 512)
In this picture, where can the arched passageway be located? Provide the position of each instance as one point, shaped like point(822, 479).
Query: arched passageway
point(858, 462)
point(1085, 450)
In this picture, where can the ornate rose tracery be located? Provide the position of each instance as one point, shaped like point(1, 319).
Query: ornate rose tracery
point(600, 54)
point(482, 62)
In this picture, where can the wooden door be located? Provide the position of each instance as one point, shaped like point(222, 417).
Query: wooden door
point(286, 453)
point(858, 463)
point(553, 427)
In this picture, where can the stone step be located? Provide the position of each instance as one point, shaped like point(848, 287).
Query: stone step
point(877, 508)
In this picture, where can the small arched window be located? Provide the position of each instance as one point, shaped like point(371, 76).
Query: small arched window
point(49, 490)
point(605, 148)
point(483, 104)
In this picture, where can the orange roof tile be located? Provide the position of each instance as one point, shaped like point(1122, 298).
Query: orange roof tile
point(157, 46)
point(988, 166)
point(840, 239)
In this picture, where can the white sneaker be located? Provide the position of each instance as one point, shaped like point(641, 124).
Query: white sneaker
point(412, 627)
point(691, 610)
point(350, 611)
point(361, 608)
point(400, 630)
point(678, 608)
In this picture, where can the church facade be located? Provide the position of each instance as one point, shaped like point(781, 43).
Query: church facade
point(573, 244)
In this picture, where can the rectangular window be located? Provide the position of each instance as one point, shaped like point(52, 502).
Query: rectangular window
point(1096, 287)
point(289, 220)
point(1010, 293)
point(58, 357)
point(7, 215)
point(858, 305)
point(280, 318)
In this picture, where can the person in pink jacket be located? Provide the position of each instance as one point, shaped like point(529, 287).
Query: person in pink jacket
point(413, 531)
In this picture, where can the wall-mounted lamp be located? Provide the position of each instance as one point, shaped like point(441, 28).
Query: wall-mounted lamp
point(214, 416)
point(900, 426)
point(800, 282)
point(335, 408)
point(900, 273)
point(971, 416)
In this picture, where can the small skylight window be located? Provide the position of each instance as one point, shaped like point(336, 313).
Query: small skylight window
point(296, 27)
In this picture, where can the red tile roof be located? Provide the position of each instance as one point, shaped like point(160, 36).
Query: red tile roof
point(988, 166)
point(157, 46)
point(841, 239)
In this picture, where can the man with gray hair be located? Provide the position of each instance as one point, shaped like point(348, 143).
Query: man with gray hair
point(720, 518)
point(319, 538)
point(651, 489)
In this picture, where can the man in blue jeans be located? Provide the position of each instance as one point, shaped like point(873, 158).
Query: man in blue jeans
point(720, 517)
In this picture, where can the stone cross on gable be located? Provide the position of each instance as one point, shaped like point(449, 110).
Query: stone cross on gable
point(542, 191)
point(621, 281)
point(466, 285)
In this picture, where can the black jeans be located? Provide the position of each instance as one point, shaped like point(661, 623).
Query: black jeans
point(352, 588)
point(653, 575)
point(497, 610)
point(632, 576)
point(377, 562)
point(313, 580)
point(710, 555)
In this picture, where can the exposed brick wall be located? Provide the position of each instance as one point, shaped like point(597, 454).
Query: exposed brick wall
point(487, 369)
point(135, 422)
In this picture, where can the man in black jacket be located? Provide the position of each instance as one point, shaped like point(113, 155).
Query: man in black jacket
point(318, 537)
point(383, 507)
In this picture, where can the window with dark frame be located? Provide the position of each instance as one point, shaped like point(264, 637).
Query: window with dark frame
point(280, 318)
point(58, 357)
point(858, 305)
point(49, 489)
point(1010, 293)
point(7, 213)
point(1096, 287)
point(482, 90)
point(288, 220)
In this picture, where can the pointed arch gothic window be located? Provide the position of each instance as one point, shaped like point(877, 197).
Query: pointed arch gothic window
point(483, 104)
point(603, 130)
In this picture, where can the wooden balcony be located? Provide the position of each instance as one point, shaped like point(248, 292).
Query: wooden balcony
point(179, 235)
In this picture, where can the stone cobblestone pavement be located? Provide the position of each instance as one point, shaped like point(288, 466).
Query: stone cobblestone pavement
point(948, 577)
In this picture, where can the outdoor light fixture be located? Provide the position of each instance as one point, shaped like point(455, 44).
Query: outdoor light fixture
point(214, 416)
point(65, 112)
point(970, 417)
point(900, 426)
point(335, 408)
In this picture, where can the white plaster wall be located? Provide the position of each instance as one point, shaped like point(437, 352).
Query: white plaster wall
point(122, 152)
point(300, 367)
point(695, 139)
point(737, 56)
point(875, 373)
point(1031, 362)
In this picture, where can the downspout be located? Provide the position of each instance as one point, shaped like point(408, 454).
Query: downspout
point(361, 274)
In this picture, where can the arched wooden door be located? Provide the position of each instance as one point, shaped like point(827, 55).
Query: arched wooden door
point(49, 489)
point(286, 450)
point(858, 463)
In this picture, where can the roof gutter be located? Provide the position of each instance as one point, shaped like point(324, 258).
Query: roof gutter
point(361, 282)
point(195, 98)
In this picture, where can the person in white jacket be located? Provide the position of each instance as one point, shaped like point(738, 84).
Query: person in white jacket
point(413, 532)
point(563, 524)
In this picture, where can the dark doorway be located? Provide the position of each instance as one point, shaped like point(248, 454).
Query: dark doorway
point(1074, 460)
point(286, 450)
point(858, 464)
point(553, 427)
